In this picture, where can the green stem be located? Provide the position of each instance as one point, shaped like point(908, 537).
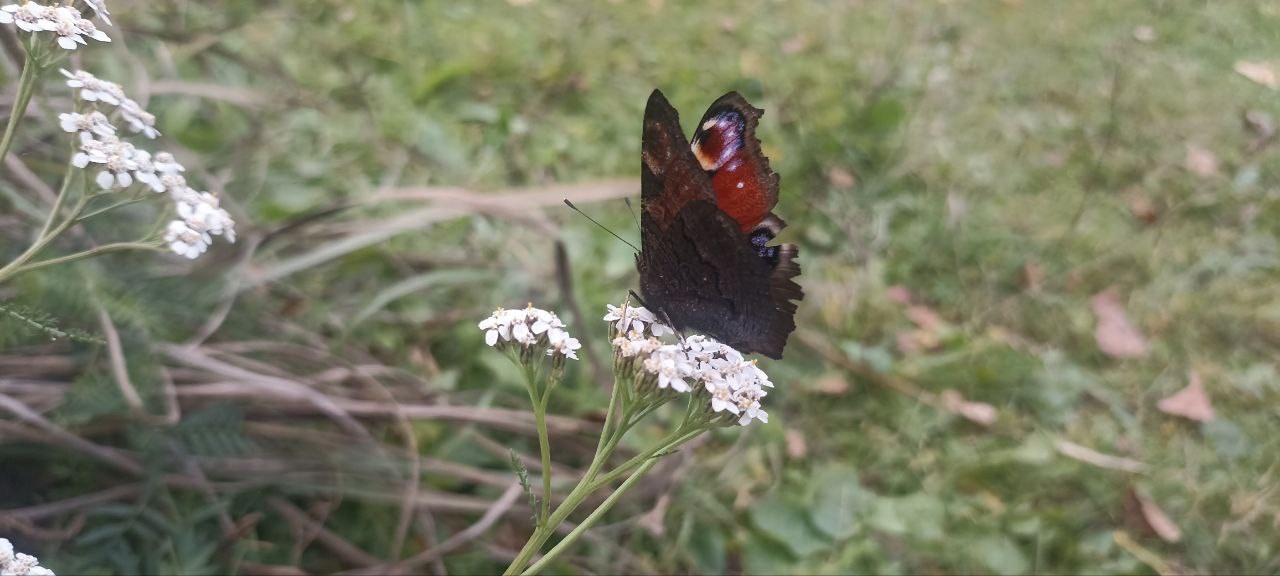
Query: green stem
point(26, 85)
point(544, 445)
point(590, 520)
point(105, 248)
point(608, 440)
point(669, 443)
point(48, 232)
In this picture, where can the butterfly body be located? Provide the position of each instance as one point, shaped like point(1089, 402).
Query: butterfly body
point(706, 223)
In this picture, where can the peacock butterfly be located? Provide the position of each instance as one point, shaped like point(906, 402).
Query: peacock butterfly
point(706, 223)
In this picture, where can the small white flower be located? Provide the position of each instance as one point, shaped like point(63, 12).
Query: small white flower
point(87, 28)
point(100, 10)
point(176, 185)
point(672, 366)
point(139, 120)
point(659, 329)
point(166, 164)
point(19, 564)
point(628, 318)
point(66, 24)
point(94, 90)
point(28, 16)
point(186, 242)
point(87, 125)
point(721, 396)
point(497, 325)
point(146, 171)
point(563, 344)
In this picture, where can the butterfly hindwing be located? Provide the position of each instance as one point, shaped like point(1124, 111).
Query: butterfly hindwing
point(699, 265)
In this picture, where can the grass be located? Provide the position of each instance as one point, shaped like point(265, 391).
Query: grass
point(992, 158)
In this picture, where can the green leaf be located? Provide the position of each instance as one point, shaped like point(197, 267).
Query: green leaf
point(840, 502)
point(999, 554)
point(707, 549)
point(920, 515)
point(788, 523)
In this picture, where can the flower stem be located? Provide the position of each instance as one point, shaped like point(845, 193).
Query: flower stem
point(608, 440)
point(26, 85)
point(105, 248)
point(590, 520)
point(49, 231)
point(544, 447)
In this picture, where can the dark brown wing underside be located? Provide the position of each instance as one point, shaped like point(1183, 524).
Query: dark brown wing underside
point(703, 274)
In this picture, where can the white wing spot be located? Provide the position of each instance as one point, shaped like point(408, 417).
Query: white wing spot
point(709, 124)
point(740, 185)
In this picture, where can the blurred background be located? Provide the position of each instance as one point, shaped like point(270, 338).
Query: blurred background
point(1039, 249)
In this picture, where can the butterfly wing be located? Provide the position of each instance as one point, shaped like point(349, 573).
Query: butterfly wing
point(697, 265)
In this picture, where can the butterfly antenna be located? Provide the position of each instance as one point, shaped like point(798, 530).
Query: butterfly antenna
point(602, 227)
point(633, 212)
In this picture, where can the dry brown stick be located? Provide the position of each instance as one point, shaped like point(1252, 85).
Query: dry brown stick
point(30, 530)
point(513, 420)
point(415, 462)
point(119, 369)
point(272, 385)
point(41, 511)
point(30, 179)
point(460, 539)
point(349, 552)
point(59, 436)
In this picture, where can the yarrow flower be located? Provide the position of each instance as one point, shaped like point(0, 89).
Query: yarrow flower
point(19, 564)
point(93, 89)
point(64, 21)
point(530, 328)
point(628, 318)
point(733, 386)
point(200, 217)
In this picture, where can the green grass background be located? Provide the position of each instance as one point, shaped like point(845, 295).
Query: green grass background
point(947, 147)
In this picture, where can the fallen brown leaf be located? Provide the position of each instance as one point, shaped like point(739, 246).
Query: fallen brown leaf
point(841, 178)
point(831, 385)
point(1200, 161)
point(976, 412)
point(1191, 402)
point(899, 294)
point(1151, 517)
point(1116, 336)
point(797, 447)
point(1262, 73)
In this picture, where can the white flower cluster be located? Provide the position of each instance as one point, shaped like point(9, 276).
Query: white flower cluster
point(64, 21)
point(200, 216)
point(528, 328)
point(733, 384)
point(19, 564)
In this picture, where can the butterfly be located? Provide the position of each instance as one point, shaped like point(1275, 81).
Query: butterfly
point(706, 221)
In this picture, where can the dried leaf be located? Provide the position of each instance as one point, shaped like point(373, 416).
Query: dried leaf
point(1116, 336)
point(1191, 402)
point(899, 294)
point(795, 45)
point(1200, 161)
point(1032, 276)
point(1262, 73)
point(840, 178)
point(977, 412)
point(1144, 34)
point(1091, 456)
point(1151, 517)
point(831, 384)
point(1142, 208)
point(797, 447)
